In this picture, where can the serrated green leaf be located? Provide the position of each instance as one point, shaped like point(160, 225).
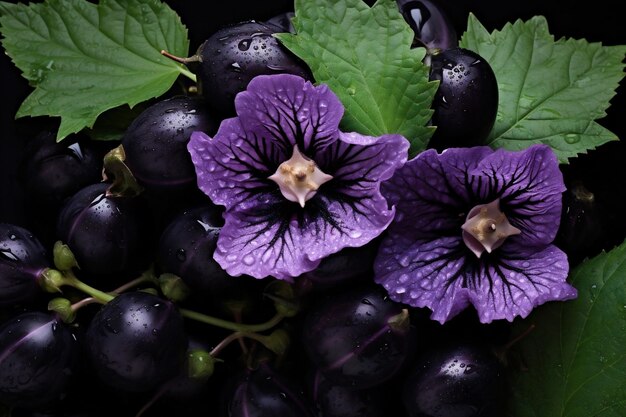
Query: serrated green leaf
point(575, 358)
point(84, 58)
point(364, 55)
point(551, 92)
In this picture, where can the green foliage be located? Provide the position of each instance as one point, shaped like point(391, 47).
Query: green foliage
point(364, 55)
point(551, 92)
point(84, 59)
point(573, 364)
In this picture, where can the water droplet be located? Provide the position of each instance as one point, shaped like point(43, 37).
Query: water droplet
point(12, 236)
point(76, 150)
point(236, 66)
point(572, 138)
point(181, 255)
point(248, 260)
point(355, 234)
point(244, 45)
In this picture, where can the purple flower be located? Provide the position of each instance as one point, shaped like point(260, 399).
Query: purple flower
point(475, 226)
point(294, 187)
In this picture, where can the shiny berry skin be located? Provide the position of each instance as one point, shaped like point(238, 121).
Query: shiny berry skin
point(53, 171)
point(264, 392)
point(458, 380)
point(357, 337)
point(22, 260)
point(155, 143)
point(466, 102)
point(136, 341)
point(107, 234)
point(37, 358)
point(283, 22)
point(235, 54)
point(432, 27)
point(186, 249)
point(332, 400)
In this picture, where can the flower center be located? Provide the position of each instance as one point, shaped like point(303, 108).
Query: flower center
point(299, 178)
point(486, 228)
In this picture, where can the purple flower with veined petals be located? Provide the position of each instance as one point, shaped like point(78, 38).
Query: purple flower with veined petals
point(475, 226)
point(294, 187)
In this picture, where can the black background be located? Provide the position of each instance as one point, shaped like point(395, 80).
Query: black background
point(597, 21)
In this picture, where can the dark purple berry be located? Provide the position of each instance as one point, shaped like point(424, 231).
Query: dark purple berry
point(37, 357)
point(235, 54)
point(432, 27)
point(136, 342)
point(466, 102)
point(155, 143)
point(345, 266)
point(460, 380)
point(282, 22)
point(357, 337)
point(263, 392)
point(53, 171)
point(332, 400)
point(107, 234)
point(186, 249)
point(22, 260)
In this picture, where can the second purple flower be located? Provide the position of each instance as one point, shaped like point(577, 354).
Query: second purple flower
point(295, 188)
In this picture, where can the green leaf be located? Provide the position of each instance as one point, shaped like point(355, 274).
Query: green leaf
point(84, 58)
point(575, 358)
point(551, 92)
point(364, 55)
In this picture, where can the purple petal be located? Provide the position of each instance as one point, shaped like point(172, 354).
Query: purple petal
point(284, 247)
point(229, 167)
point(529, 184)
point(430, 192)
point(278, 238)
point(288, 110)
point(437, 275)
point(425, 274)
point(515, 285)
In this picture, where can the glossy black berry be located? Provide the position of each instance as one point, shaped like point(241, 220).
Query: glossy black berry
point(107, 234)
point(466, 102)
point(459, 380)
point(155, 143)
point(235, 54)
point(22, 260)
point(432, 27)
point(186, 249)
point(357, 337)
point(37, 357)
point(332, 400)
point(136, 342)
point(264, 392)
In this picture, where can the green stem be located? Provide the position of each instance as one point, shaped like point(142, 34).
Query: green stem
point(237, 336)
point(225, 324)
point(188, 74)
point(72, 281)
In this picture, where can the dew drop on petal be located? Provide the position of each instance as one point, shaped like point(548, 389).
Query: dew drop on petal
point(248, 260)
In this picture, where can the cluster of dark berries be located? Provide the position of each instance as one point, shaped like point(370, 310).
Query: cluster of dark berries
point(111, 302)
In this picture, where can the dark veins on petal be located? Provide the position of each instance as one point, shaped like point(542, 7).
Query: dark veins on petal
point(281, 212)
point(287, 118)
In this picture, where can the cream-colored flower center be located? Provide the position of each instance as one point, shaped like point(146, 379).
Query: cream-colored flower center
point(299, 178)
point(486, 228)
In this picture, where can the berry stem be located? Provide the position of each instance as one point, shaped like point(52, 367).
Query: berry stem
point(71, 280)
point(182, 68)
point(229, 325)
point(232, 337)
